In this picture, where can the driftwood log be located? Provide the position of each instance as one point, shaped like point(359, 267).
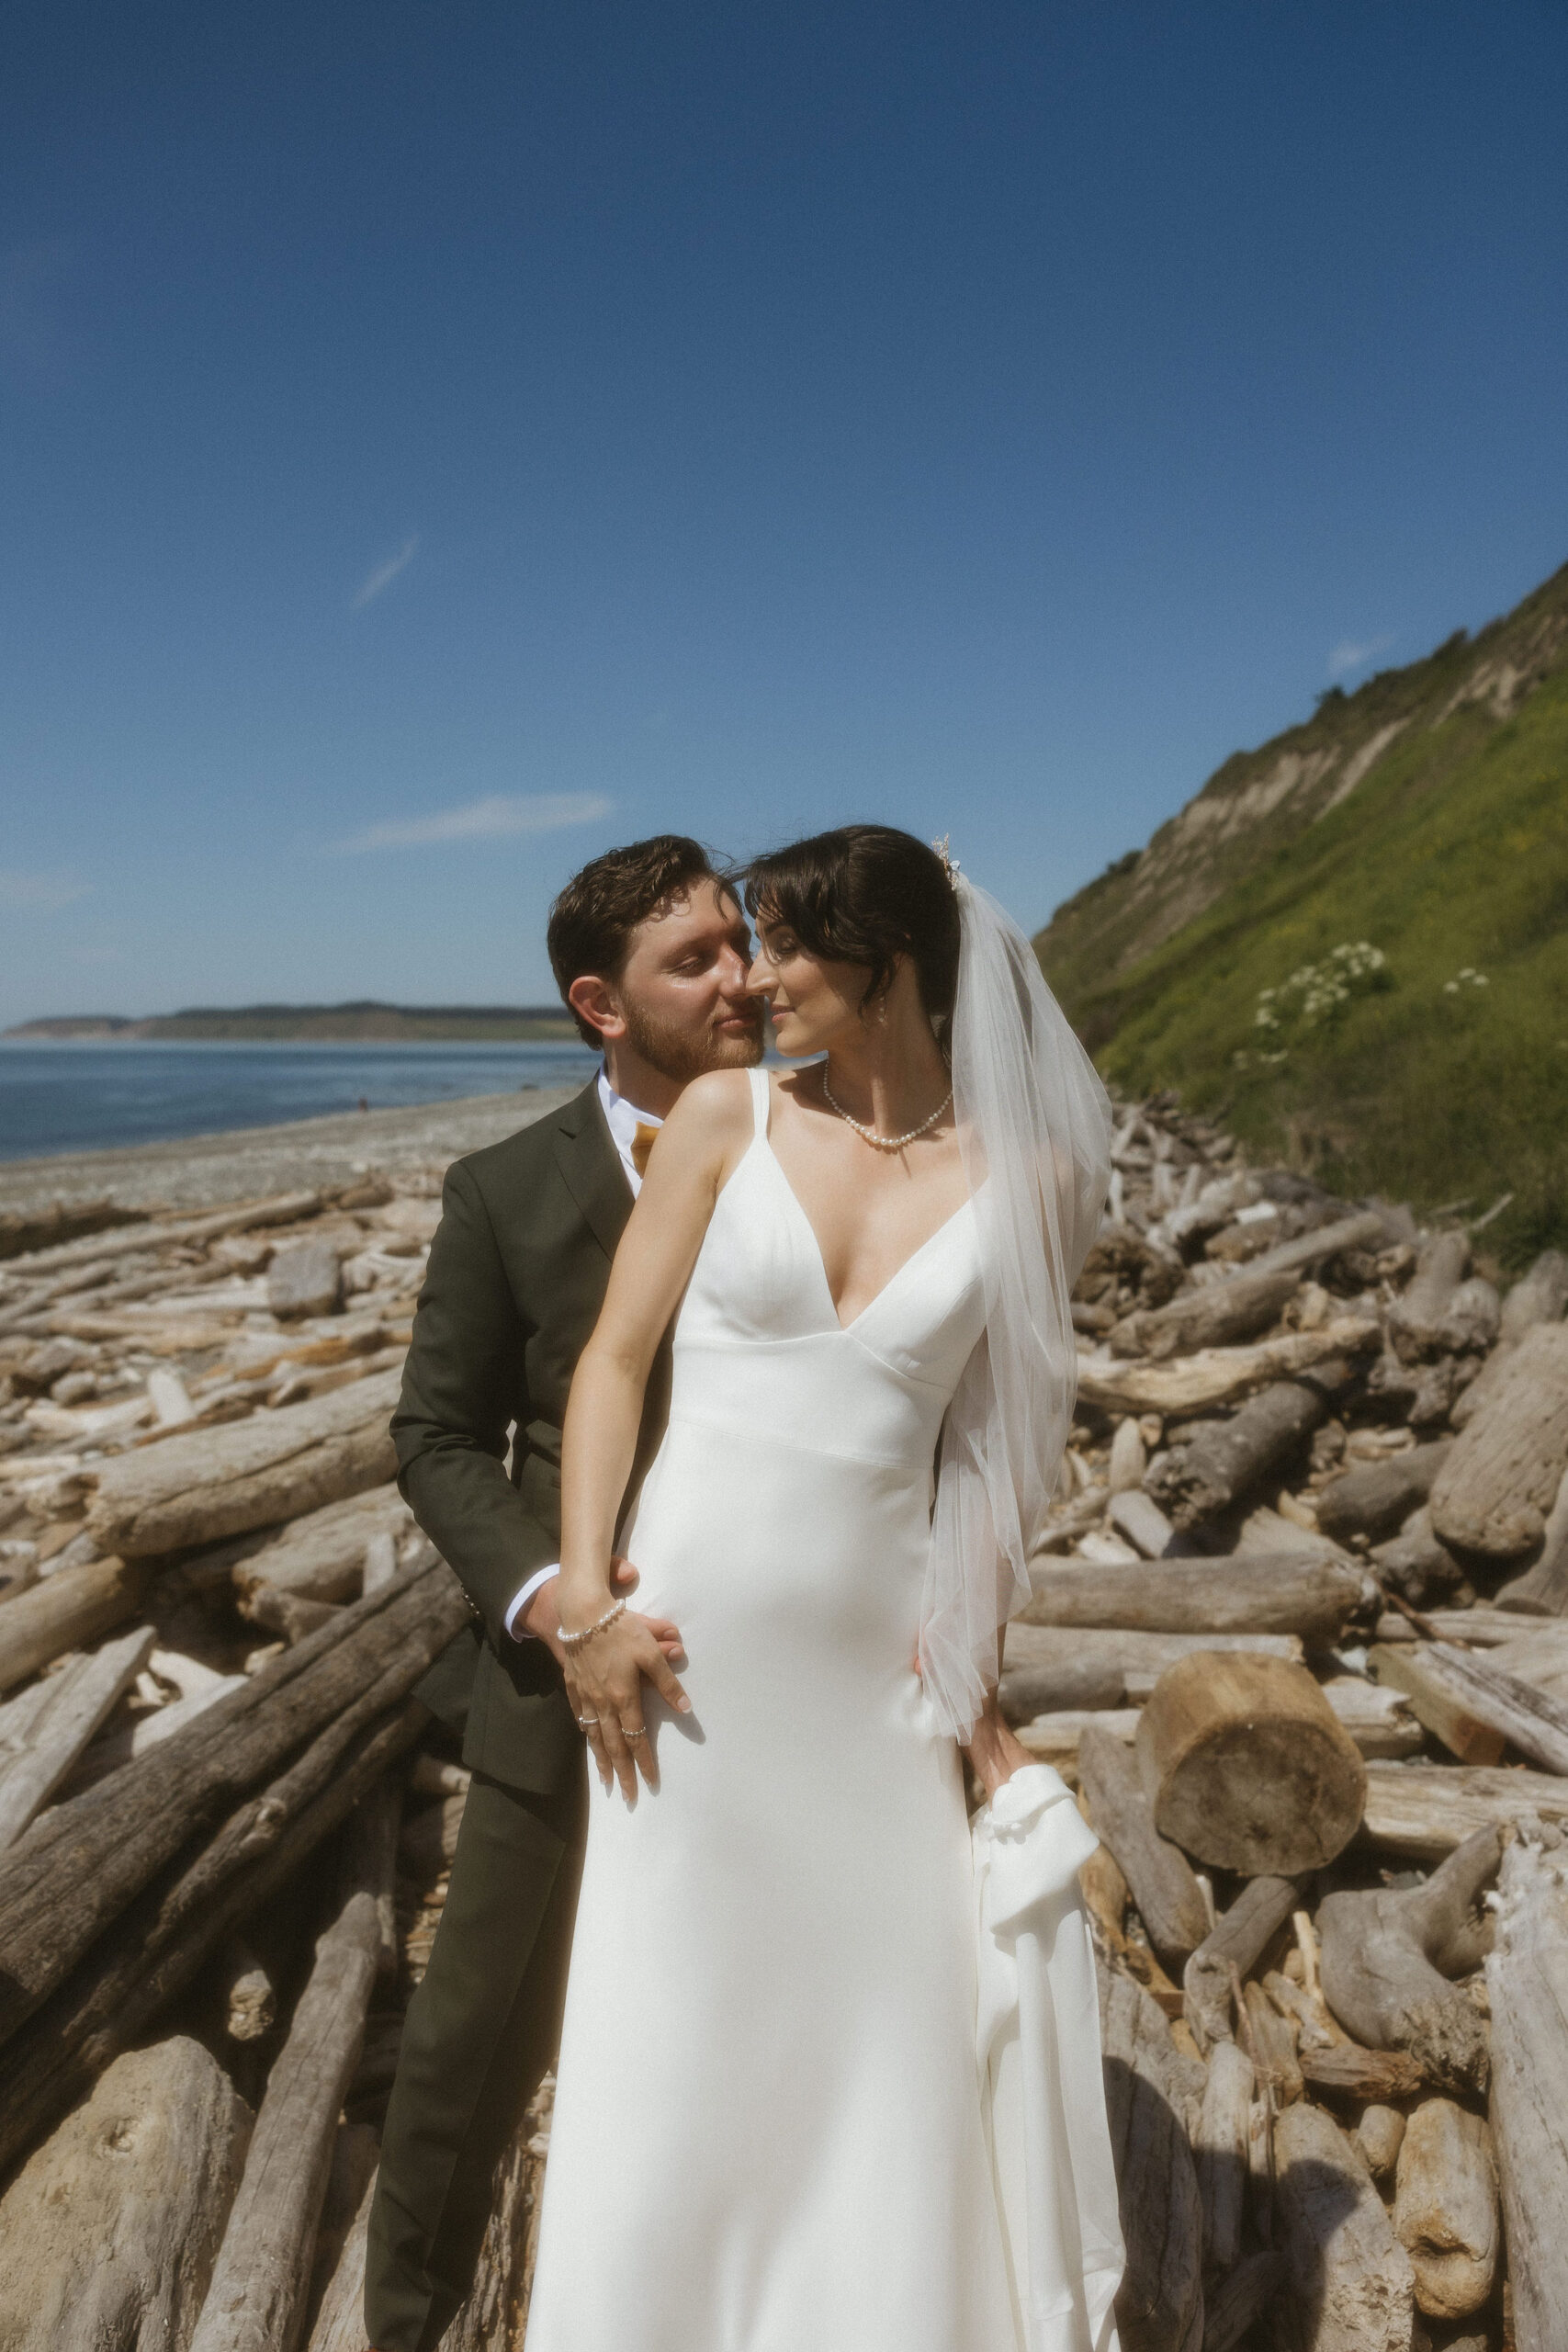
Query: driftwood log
point(1388, 1956)
point(1352, 2288)
point(111, 2229)
point(1527, 1978)
point(1445, 2210)
point(1216, 1316)
point(1426, 1810)
point(1375, 1499)
point(1491, 1498)
point(1350, 2071)
point(1326, 1241)
point(1542, 1590)
point(1228, 1459)
point(255, 2300)
point(1218, 1375)
point(1417, 1323)
point(1168, 1897)
point(202, 1484)
point(1248, 1765)
point(1220, 2146)
point(1140, 1659)
point(72, 1873)
point(155, 1950)
point(1436, 1702)
point(67, 1611)
point(340, 2320)
point(1154, 2102)
point(1236, 1941)
point(1232, 2306)
point(1305, 1594)
point(45, 1729)
point(318, 1556)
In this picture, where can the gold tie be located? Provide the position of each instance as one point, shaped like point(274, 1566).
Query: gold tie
point(642, 1144)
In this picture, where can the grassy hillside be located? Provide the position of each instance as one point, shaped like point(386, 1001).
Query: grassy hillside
point(1440, 1073)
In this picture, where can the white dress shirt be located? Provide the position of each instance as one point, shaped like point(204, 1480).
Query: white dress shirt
point(623, 1119)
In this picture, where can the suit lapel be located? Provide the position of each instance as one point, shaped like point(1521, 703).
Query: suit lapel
point(591, 1168)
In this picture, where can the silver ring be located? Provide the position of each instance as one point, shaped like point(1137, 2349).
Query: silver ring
point(588, 1723)
point(631, 1736)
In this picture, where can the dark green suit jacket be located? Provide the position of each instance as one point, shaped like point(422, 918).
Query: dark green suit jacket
point(517, 1275)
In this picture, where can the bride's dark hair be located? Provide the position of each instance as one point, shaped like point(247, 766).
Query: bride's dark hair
point(866, 895)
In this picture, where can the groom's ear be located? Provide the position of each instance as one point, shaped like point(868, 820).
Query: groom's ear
point(593, 1000)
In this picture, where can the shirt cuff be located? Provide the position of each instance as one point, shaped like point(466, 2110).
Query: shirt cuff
point(512, 1621)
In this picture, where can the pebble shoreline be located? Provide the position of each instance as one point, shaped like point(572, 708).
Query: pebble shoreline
point(198, 1171)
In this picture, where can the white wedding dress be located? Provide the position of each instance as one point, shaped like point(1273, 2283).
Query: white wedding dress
point(773, 2132)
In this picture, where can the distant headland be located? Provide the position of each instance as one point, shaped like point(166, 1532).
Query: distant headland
point(367, 1021)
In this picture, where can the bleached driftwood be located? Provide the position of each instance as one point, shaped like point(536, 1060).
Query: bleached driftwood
point(1435, 1700)
point(1542, 1590)
point(66, 1611)
point(1352, 2286)
point(1231, 2307)
point(202, 1484)
point(1236, 1941)
point(1388, 1956)
point(255, 2303)
point(1154, 2101)
point(1307, 1595)
point(1492, 1495)
point(45, 1729)
point(1217, 1376)
point(1426, 1810)
point(71, 1875)
point(1220, 2146)
point(1216, 1316)
point(1375, 1499)
point(155, 1951)
point(1527, 1978)
point(340, 2321)
point(1139, 1657)
point(110, 2231)
point(1445, 2210)
point(1248, 1767)
point(1227, 1460)
point(1170, 1900)
point(320, 1554)
point(1417, 1324)
point(371, 1862)
point(1326, 1241)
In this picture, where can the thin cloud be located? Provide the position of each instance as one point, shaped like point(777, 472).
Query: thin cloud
point(1348, 655)
point(385, 573)
point(497, 815)
point(45, 892)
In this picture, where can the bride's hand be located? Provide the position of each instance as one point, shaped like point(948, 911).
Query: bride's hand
point(604, 1681)
point(994, 1751)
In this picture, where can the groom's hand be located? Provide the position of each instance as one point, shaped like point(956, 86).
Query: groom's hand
point(542, 1616)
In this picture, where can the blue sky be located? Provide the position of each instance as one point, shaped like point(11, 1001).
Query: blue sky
point(437, 441)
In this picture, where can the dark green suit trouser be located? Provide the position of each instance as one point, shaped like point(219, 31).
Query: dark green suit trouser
point(480, 2031)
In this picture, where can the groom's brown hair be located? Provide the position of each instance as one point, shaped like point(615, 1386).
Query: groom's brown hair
point(592, 920)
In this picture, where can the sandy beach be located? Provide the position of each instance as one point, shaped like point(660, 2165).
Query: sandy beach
point(198, 1171)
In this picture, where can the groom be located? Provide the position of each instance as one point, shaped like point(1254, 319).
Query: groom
point(650, 950)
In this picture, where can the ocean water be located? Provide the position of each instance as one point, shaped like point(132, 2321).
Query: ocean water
point(60, 1098)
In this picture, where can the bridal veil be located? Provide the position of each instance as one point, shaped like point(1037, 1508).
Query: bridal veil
point(1035, 1127)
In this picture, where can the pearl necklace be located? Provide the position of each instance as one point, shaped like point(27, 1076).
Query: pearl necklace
point(883, 1143)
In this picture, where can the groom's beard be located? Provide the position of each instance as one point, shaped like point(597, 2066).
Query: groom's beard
point(679, 1055)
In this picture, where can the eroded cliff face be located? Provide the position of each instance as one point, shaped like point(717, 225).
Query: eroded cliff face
point(1260, 801)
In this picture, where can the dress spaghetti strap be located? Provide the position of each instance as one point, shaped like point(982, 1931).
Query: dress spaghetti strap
point(760, 1092)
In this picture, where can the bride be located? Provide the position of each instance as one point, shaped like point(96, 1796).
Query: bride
point(829, 2076)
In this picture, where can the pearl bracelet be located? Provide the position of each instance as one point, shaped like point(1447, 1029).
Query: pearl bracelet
point(575, 1641)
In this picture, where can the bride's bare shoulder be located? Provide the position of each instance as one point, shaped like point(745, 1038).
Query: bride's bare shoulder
point(714, 1109)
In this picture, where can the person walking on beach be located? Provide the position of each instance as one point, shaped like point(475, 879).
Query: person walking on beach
point(650, 950)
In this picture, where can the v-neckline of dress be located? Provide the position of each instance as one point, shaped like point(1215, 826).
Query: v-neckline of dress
point(846, 1329)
